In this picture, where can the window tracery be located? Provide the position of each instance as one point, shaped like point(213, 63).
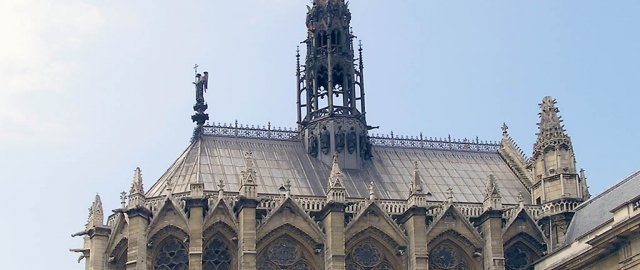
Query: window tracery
point(519, 257)
point(283, 253)
point(367, 256)
point(172, 255)
point(216, 256)
point(447, 256)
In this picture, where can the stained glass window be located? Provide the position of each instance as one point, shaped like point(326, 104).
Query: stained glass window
point(284, 253)
point(172, 255)
point(447, 256)
point(216, 256)
point(519, 257)
point(367, 256)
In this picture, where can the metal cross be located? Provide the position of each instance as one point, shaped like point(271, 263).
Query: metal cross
point(195, 68)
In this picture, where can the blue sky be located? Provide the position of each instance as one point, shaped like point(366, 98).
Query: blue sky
point(91, 89)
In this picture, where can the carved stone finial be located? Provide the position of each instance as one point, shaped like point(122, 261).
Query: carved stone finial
point(221, 189)
point(520, 199)
point(96, 215)
point(136, 193)
point(372, 191)
point(492, 196)
point(336, 191)
point(449, 195)
point(416, 194)
point(287, 187)
point(123, 199)
point(248, 185)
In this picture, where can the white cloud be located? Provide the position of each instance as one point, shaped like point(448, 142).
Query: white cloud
point(36, 35)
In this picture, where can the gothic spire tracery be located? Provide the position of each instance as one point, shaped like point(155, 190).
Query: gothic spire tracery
point(551, 131)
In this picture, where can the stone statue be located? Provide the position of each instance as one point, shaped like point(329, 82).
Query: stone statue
point(201, 86)
point(340, 137)
point(324, 140)
point(313, 146)
point(352, 141)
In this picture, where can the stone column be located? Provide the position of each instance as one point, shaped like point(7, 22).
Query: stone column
point(332, 216)
point(137, 243)
point(246, 208)
point(415, 223)
point(491, 227)
point(196, 208)
point(98, 240)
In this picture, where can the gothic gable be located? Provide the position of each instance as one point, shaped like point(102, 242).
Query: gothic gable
point(451, 220)
point(372, 216)
point(220, 213)
point(522, 223)
point(169, 214)
point(120, 231)
point(290, 213)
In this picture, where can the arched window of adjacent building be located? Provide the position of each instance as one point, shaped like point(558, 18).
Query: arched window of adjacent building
point(171, 255)
point(284, 253)
point(520, 256)
point(217, 255)
point(447, 255)
point(369, 255)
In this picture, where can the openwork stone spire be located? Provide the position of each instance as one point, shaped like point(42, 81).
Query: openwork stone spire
point(96, 215)
point(551, 132)
point(336, 191)
point(492, 196)
point(248, 185)
point(416, 194)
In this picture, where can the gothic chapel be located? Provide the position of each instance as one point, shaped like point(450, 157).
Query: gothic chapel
point(332, 195)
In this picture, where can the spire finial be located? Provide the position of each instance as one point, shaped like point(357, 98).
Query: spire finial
point(96, 216)
point(492, 196)
point(201, 85)
point(136, 193)
point(248, 184)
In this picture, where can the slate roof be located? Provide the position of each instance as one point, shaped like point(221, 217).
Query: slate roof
point(597, 211)
point(213, 158)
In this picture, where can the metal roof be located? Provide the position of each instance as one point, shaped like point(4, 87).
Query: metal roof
point(597, 211)
point(212, 158)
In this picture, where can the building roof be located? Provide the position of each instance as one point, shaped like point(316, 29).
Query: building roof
point(597, 211)
point(463, 166)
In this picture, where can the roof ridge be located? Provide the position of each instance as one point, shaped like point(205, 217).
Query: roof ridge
point(618, 184)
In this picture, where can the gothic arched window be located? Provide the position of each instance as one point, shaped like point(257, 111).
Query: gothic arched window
point(283, 253)
point(216, 256)
point(171, 255)
point(368, 256)
point(519, 257)
point(118, 257)
point(447, 255)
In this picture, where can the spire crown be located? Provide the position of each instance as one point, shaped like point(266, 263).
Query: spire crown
point(492, 196)
point(136, 193)
point(248, 185)
point(96, 214)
